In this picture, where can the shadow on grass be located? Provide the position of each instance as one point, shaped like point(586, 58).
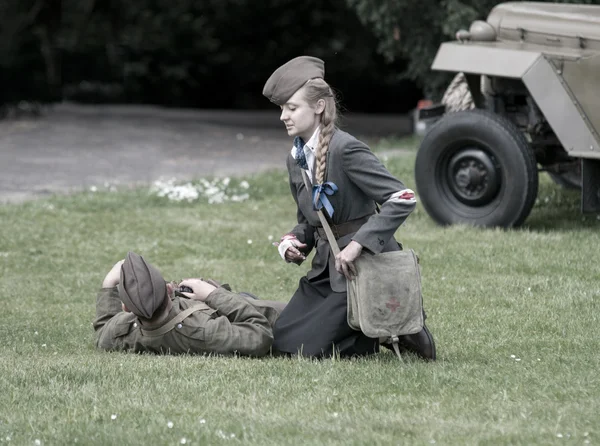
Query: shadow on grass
point(558, 209)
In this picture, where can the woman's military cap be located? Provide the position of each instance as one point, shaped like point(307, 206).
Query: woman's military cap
point(291, 76)
point(142, 289)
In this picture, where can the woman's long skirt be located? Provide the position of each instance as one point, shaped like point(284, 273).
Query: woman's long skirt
point(314, 324)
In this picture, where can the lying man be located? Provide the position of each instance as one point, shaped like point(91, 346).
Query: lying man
point(136, 310)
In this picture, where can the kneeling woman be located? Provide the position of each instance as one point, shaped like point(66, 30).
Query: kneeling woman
point(349, 181)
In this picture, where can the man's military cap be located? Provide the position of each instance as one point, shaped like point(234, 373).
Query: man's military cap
point(142, 289)
point(291, 76)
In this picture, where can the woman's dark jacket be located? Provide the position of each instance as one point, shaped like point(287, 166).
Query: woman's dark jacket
point(362, 180)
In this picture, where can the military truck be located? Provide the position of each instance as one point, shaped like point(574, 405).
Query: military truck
point(533, 73)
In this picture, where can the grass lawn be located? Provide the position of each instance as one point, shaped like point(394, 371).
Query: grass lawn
point(515, 315)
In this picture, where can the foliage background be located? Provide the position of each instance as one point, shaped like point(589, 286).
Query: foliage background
point(209, 54)
point(218, 53)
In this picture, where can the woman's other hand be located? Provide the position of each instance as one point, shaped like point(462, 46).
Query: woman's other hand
point(344, 261)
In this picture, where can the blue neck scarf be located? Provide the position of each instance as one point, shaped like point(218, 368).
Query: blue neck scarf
point(299, 154)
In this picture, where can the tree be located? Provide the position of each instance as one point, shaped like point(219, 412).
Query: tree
point(218, 53)
point(210, 53)
point(29, 62)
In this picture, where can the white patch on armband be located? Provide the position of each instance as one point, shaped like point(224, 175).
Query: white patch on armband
point(403, 196)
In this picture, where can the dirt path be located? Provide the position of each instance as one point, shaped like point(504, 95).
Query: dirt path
point(73, 147)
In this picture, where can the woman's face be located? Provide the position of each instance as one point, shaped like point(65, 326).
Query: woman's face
point(299, 117)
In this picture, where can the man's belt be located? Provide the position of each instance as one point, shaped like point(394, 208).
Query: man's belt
point(344, 228)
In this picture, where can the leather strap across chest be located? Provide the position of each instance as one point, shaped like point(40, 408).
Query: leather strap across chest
point(176, 320)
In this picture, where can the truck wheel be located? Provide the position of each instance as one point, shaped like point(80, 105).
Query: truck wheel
point(475, 167)
point(457, 96)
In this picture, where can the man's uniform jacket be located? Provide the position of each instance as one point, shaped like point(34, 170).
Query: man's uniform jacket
point(362, 181)
point(228, 323)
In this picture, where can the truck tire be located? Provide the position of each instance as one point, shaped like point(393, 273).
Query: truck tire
point(475, 167)
point(457, 96)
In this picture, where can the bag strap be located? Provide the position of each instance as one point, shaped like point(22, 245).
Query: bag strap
point(394, 341)
point(173, 322)
point(335, 248)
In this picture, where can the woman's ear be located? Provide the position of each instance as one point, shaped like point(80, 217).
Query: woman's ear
point(320, 106)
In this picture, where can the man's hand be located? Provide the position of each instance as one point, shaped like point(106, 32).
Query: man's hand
point(201, 289)
point(344, 261)
point(114, 275)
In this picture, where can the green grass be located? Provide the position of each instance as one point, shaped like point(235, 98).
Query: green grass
point(489, 294)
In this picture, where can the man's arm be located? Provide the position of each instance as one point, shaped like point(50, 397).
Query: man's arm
point(111, 323)
point(240, 327)
point(108, 303)
point(107, 306)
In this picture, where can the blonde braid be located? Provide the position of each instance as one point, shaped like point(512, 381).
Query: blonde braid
point(317, 89)
point(327, 128)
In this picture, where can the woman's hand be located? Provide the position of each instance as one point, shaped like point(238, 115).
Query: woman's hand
point(344, 261)
point(293, 253)
point(200, 288)
point(290, 247)
point(114, 276)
